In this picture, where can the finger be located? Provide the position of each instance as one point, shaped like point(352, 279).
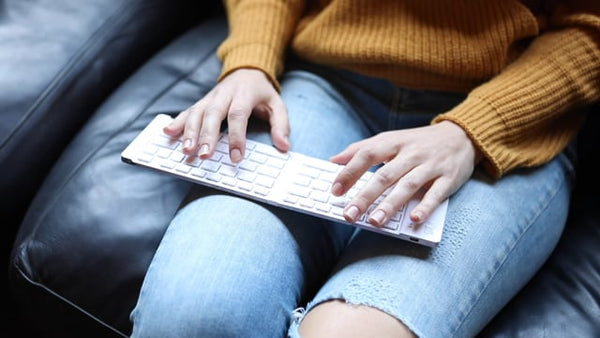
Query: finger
point(403, 189)
point(213, 116)
point(362, 160)
point(346, 155)
point(439, 191)
point(237, 123)
point(378, 183)
point(280, 124)
point(191, 129)
point(175, 128)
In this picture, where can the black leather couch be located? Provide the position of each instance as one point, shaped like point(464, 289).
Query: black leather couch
point(81, 251)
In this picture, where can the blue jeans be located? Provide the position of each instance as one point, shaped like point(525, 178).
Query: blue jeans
point(230, 267)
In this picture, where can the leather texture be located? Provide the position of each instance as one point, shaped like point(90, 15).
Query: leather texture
point(59, 60)
point(95, 224)
point(85, 244)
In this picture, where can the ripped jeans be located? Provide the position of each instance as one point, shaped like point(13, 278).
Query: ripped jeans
point(230, 267)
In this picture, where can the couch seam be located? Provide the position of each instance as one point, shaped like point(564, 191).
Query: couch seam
point(43, 287)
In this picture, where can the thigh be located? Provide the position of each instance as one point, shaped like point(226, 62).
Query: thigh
point(228, 266)
point(497, 235)
point(322, 120)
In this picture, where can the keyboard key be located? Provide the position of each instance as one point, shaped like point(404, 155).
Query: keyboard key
point(264, 181)
point(198, 173)
point(258, 158)
point(249, 166)
point(145, 158)
point(245, 186)
point(321, 165)
point(268, 171)
point(210, 166)
point(272, 152)
point(261, 191)
point(302, 181)
point(183, 168)
point(291, 199)
point(164, 153)
point(229, 181)
point(319, 196)
point(166, 142)
point(321, 185)
point(300, 191)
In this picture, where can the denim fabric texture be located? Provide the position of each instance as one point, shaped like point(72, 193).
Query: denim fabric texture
point(231, 267)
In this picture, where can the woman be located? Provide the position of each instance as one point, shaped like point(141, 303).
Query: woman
point(469, 100)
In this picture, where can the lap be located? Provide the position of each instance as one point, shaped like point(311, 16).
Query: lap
point(223, 255)
point(497, 235)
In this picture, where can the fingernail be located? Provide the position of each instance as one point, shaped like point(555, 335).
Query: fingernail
point(351, 213)
point(203, 149)
point(187, 143)
point(337, 188)
point(417, 216)
point(377, 218)
point(235, 155)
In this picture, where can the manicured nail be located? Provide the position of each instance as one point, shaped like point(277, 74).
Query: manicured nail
point(351, 213)
point(235, 155)
point(187, 143)
point(417, 216)
point(377, 218)
point(203, 150)
point(336, 189)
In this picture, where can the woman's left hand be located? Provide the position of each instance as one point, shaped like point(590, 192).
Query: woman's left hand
point(438, 158)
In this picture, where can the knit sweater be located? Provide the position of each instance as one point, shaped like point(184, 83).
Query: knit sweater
point(526, 66)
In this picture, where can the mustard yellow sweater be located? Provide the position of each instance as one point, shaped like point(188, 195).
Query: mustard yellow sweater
point(525, 64)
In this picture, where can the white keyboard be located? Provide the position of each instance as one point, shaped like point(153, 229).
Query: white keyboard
point(289, 180)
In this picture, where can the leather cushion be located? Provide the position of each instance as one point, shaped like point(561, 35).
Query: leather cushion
point(93, 228)
point(59, 59)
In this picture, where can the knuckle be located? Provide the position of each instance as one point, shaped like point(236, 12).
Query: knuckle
point(213, 109)
point(434, 197)
point(190, 131)
point(236, 113)
point(367, 153)
point(389, 207)
point(410, 184)
point(361, 201)
point(384, 176)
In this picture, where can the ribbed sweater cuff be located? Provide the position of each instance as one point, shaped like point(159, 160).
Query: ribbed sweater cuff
point(510, 114)
point(253, 56)
point(478, 119)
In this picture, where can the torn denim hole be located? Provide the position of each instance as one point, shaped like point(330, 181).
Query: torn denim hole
point(298, 314)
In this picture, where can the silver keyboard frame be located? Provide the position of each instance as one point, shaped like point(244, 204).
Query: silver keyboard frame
point(293, 165)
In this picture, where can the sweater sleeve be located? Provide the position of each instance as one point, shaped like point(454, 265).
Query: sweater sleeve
point(527, 114)
point(259, 33)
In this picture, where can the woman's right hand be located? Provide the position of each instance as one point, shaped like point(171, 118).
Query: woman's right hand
point(240, 94)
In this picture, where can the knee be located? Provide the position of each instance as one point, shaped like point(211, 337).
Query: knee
point(225, 315)
point(189, 324)
point(340, 319)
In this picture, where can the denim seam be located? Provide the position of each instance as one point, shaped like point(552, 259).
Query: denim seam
point(395, 106)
